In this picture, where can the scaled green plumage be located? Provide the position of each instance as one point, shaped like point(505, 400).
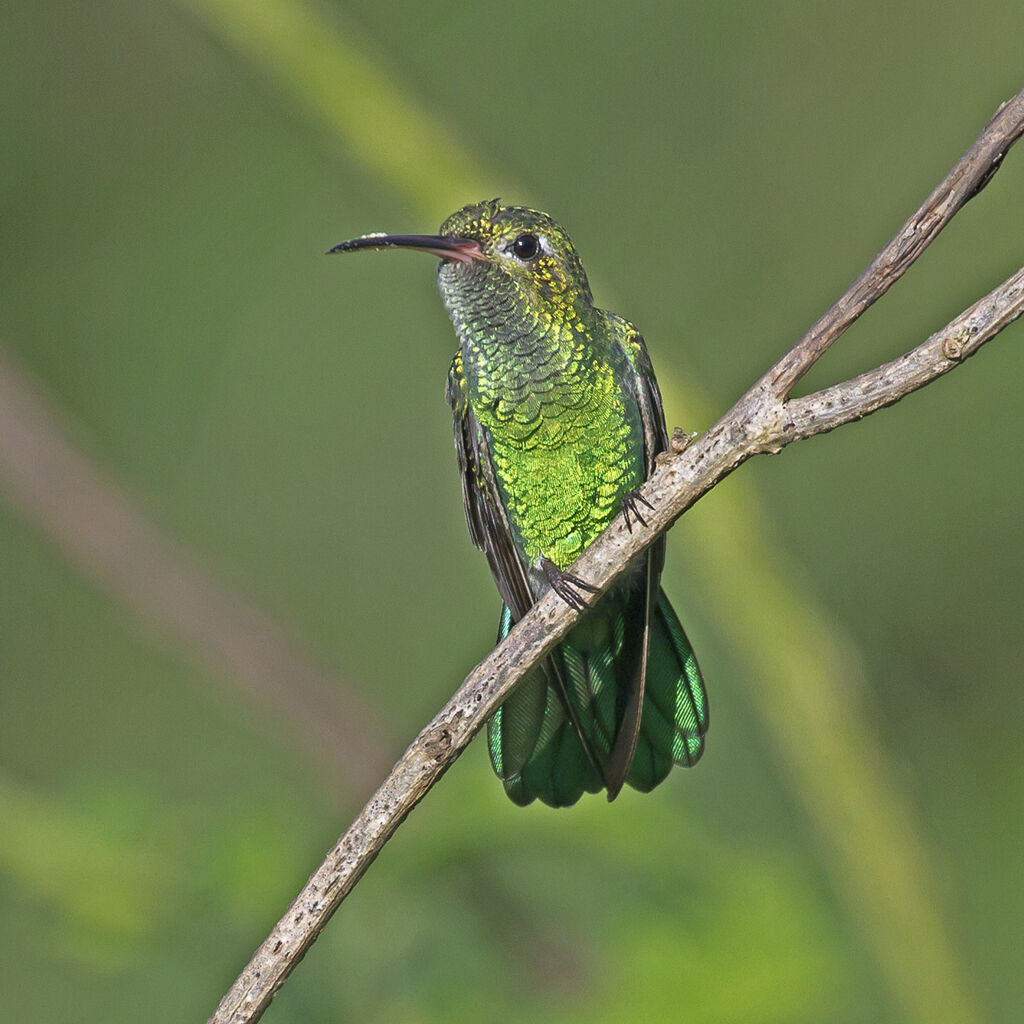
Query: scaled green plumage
point(558, 420)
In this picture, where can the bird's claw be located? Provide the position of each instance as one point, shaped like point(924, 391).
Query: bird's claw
point(628, 503)
point(566, 584)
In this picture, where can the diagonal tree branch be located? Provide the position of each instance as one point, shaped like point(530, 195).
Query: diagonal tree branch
point(764, 420)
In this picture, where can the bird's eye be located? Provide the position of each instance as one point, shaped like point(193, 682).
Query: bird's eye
point(526, 247)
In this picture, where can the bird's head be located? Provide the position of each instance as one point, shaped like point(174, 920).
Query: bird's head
point(489, 251)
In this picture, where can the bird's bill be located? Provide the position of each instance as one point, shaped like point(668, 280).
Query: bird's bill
point(465, 250)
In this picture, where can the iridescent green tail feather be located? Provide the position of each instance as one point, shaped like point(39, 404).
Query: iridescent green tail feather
point(675, 716)
point(534, 747)
point(535, 744)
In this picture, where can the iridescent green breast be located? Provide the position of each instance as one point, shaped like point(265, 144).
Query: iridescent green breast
point(565, 448)
point(545, 375)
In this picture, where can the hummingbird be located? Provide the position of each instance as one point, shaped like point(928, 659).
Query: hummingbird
point(558, 422)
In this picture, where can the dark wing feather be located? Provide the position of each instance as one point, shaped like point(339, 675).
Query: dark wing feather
point(642, 385)
point(485, 514)
point(648, 396)
point(675, 715)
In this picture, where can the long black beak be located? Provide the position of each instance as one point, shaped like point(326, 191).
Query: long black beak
point(465, 250)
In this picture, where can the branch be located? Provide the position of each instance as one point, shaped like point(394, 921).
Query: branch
point(971, 173)
point(764, 420)
point(943, 351)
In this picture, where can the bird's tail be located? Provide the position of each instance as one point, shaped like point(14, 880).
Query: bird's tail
point(551, 739)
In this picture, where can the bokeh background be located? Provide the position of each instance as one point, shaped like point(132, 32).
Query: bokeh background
point(234, 574)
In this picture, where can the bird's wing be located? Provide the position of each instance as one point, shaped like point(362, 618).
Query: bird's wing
point(645, 390)
point(640, 383)
point(675, 716)
point(485, 514)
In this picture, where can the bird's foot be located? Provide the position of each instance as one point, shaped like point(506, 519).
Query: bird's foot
point(566, 585)
point(628, 504)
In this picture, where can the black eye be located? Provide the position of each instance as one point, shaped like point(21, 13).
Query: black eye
point(526, 247)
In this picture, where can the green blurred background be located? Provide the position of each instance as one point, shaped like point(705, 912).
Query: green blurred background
point(170, 174)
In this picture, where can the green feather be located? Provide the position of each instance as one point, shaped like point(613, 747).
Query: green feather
point(535, 749)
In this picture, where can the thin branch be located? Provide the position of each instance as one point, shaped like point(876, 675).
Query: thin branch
point(971, 173)
point(888, 383)
point(762, 421)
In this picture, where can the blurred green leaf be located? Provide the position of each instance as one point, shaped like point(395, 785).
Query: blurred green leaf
point(101, 876)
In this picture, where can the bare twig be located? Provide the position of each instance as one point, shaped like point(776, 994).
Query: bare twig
point(888, 383)
point(764, 420)
point(971, 173)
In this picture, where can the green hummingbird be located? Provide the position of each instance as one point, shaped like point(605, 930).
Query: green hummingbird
point(558, 421)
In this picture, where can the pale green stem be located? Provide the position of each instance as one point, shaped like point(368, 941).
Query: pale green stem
point(337, 83)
